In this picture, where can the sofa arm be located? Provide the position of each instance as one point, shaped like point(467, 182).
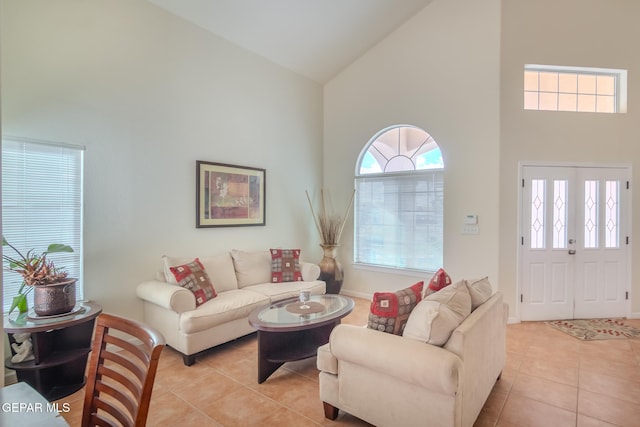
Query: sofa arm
point(167, 295)
point(325, 361)
point(310, 271)
point(409, 360)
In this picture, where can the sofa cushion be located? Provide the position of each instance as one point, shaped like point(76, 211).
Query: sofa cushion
point(285, 265)
point(280, 291)
point(434, 318)
point(252, 268)
point(227, 306)
point(219, 268)
point(480, 291)
point(390, 310)
point(194, 277)
point(439, 280)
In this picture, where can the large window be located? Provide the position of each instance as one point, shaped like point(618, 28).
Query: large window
point(399, 201)
point(578, 89)
point(42, 204)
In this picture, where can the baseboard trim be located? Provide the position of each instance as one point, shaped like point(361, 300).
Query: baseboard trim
point(10, 377)
point(355, 294)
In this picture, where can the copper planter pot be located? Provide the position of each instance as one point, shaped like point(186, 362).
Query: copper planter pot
point(54, 299)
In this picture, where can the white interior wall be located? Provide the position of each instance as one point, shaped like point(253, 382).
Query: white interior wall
point(588, 33)
point(148, 94)
point(439, 71)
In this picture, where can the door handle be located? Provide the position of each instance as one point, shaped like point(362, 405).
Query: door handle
point(572, 251)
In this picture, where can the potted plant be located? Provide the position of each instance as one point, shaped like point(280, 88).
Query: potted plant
point(54, 292)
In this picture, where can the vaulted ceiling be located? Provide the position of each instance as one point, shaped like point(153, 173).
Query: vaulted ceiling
point(315, 38)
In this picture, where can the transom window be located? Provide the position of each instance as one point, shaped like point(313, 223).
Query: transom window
point(399, 201)
point(578, 89)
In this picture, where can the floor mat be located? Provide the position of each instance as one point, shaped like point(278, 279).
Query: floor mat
point(596, 329)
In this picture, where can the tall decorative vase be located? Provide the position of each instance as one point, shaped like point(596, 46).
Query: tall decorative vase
point(330, 269)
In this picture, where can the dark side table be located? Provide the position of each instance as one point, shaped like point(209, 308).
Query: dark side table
point(61, 346)
point(285, 336)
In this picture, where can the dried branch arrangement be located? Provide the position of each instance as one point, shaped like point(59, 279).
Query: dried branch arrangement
point(329, 224)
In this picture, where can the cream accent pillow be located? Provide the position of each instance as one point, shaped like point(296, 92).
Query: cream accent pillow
point(420, 321)
point(310, 272)
point(252, 268)
point(435, 317)
point(219, 268)
point(480, 291)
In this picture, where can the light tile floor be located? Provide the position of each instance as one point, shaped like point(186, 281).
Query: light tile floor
point(550, 380)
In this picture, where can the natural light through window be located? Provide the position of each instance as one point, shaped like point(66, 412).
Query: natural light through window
point(578, 89)
point(591, 209)
point(42, 203)
point(399, 201)
point(560, 214)
point(538, 209)
point(612, 214)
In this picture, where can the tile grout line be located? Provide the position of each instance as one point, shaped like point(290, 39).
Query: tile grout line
point(266, 396)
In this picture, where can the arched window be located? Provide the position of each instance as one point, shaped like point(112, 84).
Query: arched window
point(399, 201)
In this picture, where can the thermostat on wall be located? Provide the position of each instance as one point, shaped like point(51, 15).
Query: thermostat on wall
point(471, 219)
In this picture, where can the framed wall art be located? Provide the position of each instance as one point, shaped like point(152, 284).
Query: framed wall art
point(229, 195)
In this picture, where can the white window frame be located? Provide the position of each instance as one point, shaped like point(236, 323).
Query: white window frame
point(51, 211)
point(620, 76)
point(435, 176)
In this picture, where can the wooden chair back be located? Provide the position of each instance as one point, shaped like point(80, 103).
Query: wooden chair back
point(122, 368)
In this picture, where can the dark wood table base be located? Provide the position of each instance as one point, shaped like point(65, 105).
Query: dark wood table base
point(277, 348)
point(61, 346)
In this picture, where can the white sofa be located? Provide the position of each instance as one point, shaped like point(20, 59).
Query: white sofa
point(242, 281)
point(392, 380)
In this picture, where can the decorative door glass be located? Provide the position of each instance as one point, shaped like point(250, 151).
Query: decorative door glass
point(591, 214)
point(612, 214)
point(538, 190)
point(560, 214)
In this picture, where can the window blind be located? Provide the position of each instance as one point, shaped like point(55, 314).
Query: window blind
point(42, 204)
point(399, 220)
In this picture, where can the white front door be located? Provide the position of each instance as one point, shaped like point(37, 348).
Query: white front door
point(573, 242)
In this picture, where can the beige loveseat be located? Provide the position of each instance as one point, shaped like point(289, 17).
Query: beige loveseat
point(242, 281)
point(392, 380)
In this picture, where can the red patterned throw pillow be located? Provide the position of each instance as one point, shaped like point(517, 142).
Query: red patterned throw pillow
point(194, 277)
point(285, 265)
point(390, 310)
point(439, 280)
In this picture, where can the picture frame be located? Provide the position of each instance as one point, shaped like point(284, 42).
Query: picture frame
point(229, 195)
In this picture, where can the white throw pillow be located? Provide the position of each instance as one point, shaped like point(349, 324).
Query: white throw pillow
point(420, 321)
point(252, 268)
point(435, 317)
point(480, 291)
point(219, 268)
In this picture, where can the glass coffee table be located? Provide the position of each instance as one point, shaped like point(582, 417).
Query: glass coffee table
point(287, 331)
